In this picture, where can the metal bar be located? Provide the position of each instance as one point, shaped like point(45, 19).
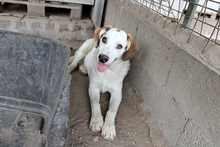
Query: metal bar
point(208, 24)
point(197, 25)
point(170, 7)
point(218, 26)
point(206, 7)
point(149, 8)
point(190, 13)
point(210, 37)
point(217, 33)
point(205, 3)
point(215, 1)
point(158, 10)
point(180, 18)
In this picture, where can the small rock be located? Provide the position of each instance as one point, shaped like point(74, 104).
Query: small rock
point(80, 138)
point(96, 139)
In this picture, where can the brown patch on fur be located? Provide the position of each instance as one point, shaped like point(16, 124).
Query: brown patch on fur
point(96, 34)
point(132, 49)
point(108, 28)
point(118, 30)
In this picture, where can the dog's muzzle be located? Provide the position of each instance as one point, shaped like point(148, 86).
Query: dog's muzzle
point(103, 58)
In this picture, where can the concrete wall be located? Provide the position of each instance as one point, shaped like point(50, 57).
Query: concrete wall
point(180, 85)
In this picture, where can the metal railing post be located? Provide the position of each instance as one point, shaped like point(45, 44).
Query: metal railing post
point(190, 13)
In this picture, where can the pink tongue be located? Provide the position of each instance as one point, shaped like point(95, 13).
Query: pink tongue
point(102, 67)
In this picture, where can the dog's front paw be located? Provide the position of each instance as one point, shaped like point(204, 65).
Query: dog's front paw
point(96, 123)
point(108, 132)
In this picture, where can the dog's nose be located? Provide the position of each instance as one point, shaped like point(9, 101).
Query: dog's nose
point(103, 58)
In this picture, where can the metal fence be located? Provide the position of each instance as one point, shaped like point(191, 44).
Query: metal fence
point(200, 16)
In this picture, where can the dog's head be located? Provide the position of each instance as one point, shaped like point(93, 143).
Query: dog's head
point(113, 43)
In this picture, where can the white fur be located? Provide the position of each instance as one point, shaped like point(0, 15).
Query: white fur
point(110, 80)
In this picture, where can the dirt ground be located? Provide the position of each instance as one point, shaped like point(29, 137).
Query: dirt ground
point(135, 126)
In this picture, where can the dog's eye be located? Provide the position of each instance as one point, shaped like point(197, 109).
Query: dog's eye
point(104, 39)
point(119, 46)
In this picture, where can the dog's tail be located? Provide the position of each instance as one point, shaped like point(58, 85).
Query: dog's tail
point(85, 48)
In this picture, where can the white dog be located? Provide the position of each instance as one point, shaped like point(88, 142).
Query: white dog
point(107, 63)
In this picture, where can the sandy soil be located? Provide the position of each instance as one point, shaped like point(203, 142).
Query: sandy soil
point(135, 126)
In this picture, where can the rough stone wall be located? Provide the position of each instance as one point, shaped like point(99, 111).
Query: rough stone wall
point(179, 84)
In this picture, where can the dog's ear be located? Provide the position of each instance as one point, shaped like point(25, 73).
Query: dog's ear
point(96, 36)
point(132, 49)
point(98, 33)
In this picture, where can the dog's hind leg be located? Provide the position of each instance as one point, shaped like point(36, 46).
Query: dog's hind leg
point(83, 69)
point(80, 54)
